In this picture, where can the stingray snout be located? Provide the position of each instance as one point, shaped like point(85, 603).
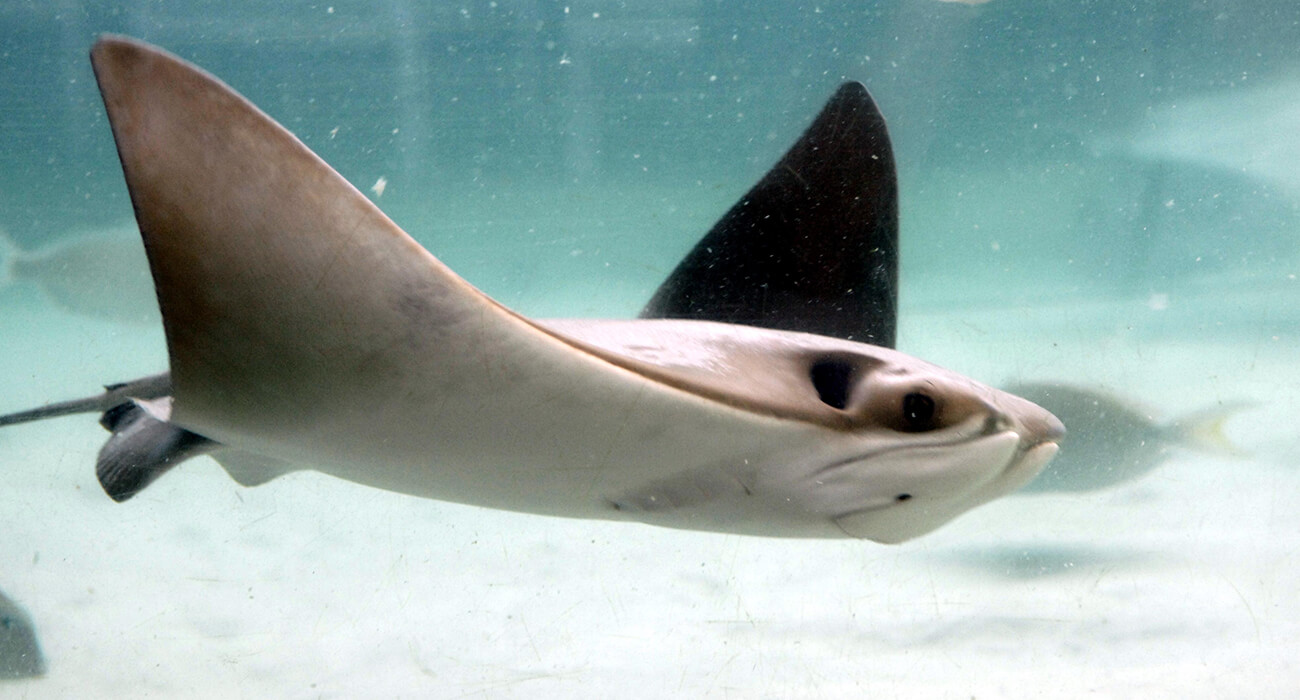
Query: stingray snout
point(1035, 424)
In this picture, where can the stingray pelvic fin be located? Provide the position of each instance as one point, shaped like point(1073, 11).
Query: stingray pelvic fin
point(143, 447)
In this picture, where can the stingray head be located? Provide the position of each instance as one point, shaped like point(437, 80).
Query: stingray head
point(927, 444)
point(847, 438)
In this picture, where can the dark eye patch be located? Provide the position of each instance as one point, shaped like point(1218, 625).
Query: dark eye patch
point(918, 413)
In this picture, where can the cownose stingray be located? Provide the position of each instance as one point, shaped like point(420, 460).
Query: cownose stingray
point(100, 273)
point(306, 330)
point(20, 650)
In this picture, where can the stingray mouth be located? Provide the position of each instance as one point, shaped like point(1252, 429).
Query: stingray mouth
point(1028, 463)
point(1040, 441)
point(927, 487)
point(977, 462)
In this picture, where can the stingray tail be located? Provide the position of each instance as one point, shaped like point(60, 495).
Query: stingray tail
point(1204, 429)
point(151, 387)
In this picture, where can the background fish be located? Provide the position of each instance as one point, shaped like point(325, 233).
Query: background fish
point(101, 273)
point(1112, 440)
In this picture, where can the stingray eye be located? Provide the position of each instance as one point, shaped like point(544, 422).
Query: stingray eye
point(918, 413)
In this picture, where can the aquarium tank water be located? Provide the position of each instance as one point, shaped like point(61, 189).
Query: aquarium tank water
point(1099, 210)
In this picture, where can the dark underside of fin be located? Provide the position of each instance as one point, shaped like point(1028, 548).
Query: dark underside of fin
point(813, 247)
point(141, 449)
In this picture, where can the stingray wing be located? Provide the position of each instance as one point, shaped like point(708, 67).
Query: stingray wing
point(293, 306)
point(269, 297)
point(813, 247)
point(284, 291)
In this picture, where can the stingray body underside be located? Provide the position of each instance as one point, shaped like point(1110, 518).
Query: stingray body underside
point(538, 427)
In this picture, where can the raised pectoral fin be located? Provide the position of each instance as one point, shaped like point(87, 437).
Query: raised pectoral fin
point(813, 247)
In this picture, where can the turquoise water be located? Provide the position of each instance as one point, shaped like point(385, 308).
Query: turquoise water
point(1092, 192)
